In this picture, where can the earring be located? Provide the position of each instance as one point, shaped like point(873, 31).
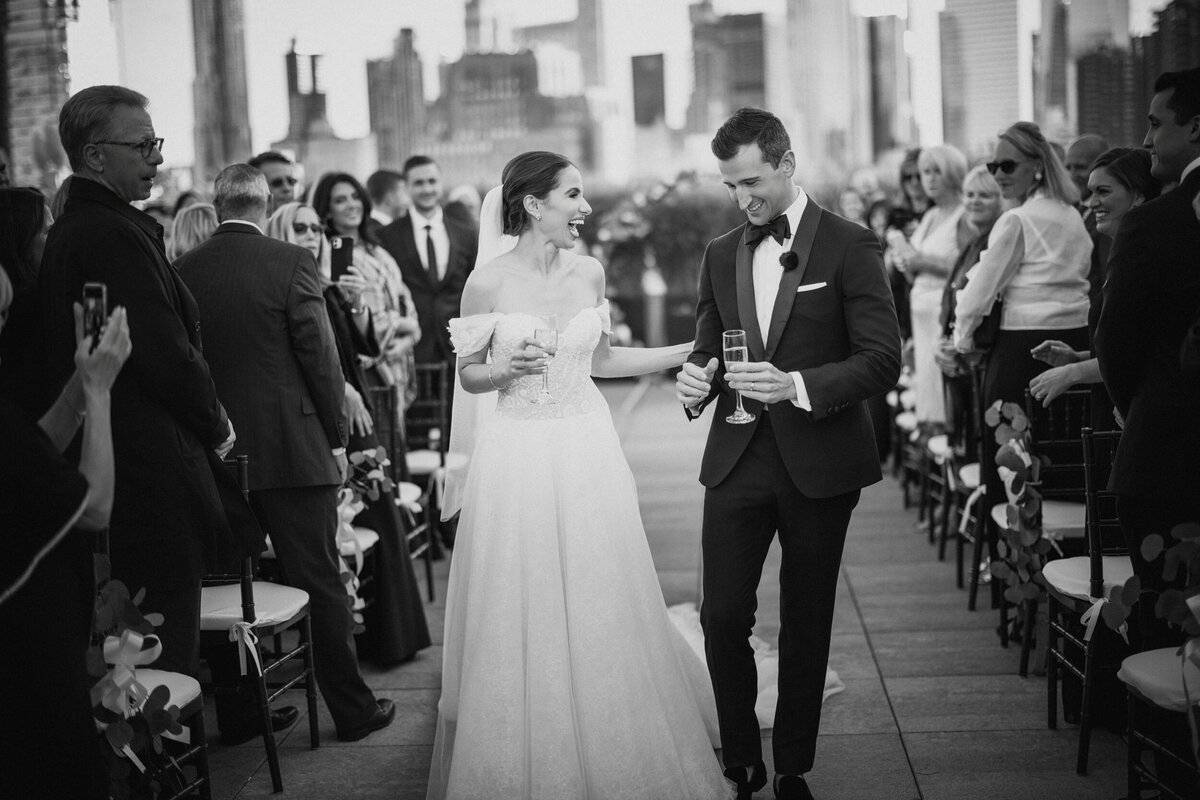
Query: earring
point(538, 217)
point(1037, 176)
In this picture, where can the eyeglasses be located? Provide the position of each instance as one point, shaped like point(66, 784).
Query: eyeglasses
point(911, 176)
point(277, 182)
point(300, 227)
point(1007, 166)
point(146, 147)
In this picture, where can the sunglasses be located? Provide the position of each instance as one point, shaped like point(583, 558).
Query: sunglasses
point(911, 176)
point(290, 181)
point(1007, 166)
point(300, 227)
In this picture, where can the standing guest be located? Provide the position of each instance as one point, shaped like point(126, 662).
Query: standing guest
point(47, 510)
point(463, 202)
point(852, 206)
point(389, 199)
point(904, 219)
point(1119, 182)
point(58, 204)
point(1150, 299)
point(1080, 155)
point(275, 362)
point(24, 222)
point(185, 199)
point(816, 354)
point(1036, 262)
point(192, 226)
point(436, 253)
point(165, 411)
point(162, 215)
point(396, 625)
point(927, 258)
point(281, 176)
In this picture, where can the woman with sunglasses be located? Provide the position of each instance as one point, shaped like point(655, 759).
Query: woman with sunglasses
point(1120, 179)
point(396, 625)
point(1036, 263)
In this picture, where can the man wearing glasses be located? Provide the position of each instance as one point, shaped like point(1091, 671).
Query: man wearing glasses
point(165, 411)
point(281, 179)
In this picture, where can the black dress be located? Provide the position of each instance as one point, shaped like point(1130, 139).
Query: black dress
point(395, 623)
point(45, 698)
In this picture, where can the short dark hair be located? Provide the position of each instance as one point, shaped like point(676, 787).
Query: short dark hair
point(269, 157)
point(22, 215)
point(416, 161)
point(1185, 100)
point(752, 125)
point(381, 182)
point(534, 173)
point(240, 190)
point(322, 196)
point(1130, 167)
point(87, 114)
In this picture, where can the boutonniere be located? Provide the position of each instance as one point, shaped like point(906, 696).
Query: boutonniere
point(789, 260)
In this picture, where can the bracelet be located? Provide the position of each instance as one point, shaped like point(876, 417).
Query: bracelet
point(492, 380)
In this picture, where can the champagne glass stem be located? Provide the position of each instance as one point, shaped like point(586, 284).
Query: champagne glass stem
point(738, 395)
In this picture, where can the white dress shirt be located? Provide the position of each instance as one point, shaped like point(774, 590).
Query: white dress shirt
point(767, 274)
point(441, 239)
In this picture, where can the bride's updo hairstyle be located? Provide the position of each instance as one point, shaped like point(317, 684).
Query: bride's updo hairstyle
point(533, 173)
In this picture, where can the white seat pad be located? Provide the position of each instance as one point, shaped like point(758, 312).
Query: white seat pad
point(221, 606)
point(1065, 520)
point(366, 538)
point(183, 688)
point(425, 462)
point(906, 421)
point(1158, 676)
point(938, 446)
point(968, 474)
point(408, 494)
point(1073, 576)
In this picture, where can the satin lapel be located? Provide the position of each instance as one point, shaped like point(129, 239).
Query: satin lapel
point(744, 266)
point(802, 244)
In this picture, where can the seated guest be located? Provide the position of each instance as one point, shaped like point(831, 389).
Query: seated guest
point(275, 364)
point(1120, 180)
point(193, 225)
point(396, 625)
point(167, 512)
point(48, 509)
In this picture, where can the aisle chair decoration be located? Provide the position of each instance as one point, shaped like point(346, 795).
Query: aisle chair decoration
point(369, 476)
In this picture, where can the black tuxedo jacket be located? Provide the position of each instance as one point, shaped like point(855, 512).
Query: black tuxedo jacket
point(272, 353)
point(165, 412)
point(1150, 298)
point(437, 301)
point(841, 335)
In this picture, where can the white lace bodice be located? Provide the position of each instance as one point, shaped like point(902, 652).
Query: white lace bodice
point(570, 371)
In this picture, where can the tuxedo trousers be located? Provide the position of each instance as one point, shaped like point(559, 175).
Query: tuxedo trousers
point(742, 514)
point(302, 524)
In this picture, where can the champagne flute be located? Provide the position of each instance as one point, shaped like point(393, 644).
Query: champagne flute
point(734, 349)
point(546, 334)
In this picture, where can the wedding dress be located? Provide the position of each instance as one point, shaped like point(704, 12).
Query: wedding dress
point(562, 675)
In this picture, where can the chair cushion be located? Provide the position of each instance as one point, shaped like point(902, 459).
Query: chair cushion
point(938, 446)
point(1065, 520)
point(1158, 676)
point(906, 421)
point(366, 538)
point(426, 462)
point(274, 603)
point(968, 475)
point(408, 494)
point(1073, 576)
point(908, 399)
point(183, 688)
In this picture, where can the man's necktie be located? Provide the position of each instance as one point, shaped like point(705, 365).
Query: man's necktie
point(430, 252)
point(778, 229)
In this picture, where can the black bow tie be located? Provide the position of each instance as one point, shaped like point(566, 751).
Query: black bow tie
point(778, 229)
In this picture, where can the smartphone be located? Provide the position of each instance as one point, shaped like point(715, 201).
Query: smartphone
point(95, 310)
point(341, 256)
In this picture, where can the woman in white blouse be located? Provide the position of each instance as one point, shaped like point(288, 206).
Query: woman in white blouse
point(927, 259)
point(1036, 263)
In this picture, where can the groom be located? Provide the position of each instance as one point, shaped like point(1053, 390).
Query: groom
point(809, 290)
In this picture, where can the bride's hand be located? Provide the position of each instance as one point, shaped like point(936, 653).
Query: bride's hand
point(530, 359)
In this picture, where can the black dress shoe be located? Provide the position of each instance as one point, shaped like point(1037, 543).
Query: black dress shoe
point(747, 779)
point(791, 787)
point(385, 712)
point(281, 718)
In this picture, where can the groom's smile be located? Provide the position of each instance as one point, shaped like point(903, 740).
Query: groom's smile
point(762, 191)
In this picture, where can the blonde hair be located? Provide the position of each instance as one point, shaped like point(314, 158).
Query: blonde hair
point(191, 227)
point(1055, 181)
point(279, 226)
point(949, 160)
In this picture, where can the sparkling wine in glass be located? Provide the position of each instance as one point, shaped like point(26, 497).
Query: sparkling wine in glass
point(546, 335)
point(734, 349)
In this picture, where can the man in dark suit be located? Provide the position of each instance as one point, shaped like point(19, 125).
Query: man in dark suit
point(1150, 298)
point(436, 253)
point(276, 367)
point(810, 292)
point(165, 412)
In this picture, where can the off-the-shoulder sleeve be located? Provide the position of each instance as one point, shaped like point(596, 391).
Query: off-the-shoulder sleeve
point(605, 313)
point(471, 334)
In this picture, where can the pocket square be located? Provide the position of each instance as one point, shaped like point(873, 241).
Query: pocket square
point(809, 287)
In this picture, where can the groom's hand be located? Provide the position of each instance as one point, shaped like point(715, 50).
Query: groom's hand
point(760, 381)
point(693, 384)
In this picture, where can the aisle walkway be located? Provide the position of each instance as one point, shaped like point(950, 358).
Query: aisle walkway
point(933, 707)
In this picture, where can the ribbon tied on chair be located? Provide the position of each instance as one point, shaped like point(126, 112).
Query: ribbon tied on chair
point(247, 640)
point(120, 691)
point(1092, 616)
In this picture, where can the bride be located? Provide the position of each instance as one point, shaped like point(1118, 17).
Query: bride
point(562, 676)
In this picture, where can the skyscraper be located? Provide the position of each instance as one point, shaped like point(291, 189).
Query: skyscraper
point(649, 90)
point(396, 100)
point(729, 63)
point(222, 127)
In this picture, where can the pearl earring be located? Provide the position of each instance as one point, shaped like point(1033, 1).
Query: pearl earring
point(538, 217)
point(1037, 176)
